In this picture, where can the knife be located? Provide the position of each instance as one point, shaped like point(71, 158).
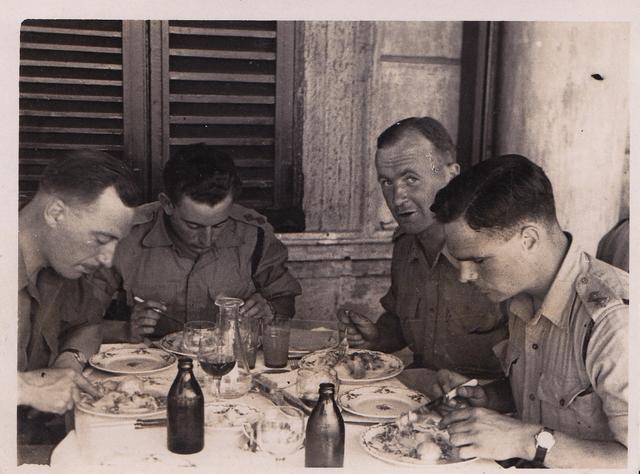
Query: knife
point(279, 397)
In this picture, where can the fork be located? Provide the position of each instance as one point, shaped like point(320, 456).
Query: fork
point(343, 344)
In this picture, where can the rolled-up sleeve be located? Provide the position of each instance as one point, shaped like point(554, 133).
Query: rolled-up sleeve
point(607, 364)
point(272, 278)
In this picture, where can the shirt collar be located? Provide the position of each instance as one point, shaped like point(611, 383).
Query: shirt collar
point(27, 277)
point(429, 243)
point(556, 306)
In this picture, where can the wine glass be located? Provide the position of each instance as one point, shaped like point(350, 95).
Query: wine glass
point(280, 431)
point(216, 353)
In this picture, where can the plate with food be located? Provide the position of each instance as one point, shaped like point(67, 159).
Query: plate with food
point(173, 343)
point(381, 402)
point(420, 443)
point(126, 396)
point(358, 366)
point(128, 360)
point(225, 416)
point(304, 341)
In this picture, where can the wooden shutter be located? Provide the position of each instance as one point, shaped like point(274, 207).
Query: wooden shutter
point(230, 86)
point(70, 92)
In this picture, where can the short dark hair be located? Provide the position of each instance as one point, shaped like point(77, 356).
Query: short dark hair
point(497, 194)
point(203, 173)
point(82, 175)
point(428, 127)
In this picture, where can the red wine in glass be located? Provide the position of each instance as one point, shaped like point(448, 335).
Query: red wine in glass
point(217, 368)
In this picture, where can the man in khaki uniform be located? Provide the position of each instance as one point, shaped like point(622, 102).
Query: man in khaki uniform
point(567, 354)
point(194, 245)
point(446, 323)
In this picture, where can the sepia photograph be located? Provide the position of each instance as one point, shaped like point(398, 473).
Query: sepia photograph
point(363, 243)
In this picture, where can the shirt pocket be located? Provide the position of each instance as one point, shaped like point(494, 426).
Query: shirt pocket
point(570, 405)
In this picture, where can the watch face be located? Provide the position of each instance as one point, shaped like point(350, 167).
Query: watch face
point(545, 440)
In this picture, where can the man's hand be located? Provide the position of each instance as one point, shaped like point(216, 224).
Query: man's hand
point(52, 390)
point(256, 306)
point(361, 332)
point(448, 380)
point(488, 434)
point(144, 319)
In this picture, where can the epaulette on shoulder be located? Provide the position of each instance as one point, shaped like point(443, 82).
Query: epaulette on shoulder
point(145, 213)
point(602, 288)
point(248, 216)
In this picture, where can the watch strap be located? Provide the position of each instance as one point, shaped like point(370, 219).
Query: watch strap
point(541, 452)
point(79, 356)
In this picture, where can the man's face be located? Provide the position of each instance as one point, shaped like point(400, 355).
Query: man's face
point(83, 237)
point(499, 268)
point(410, 174)
point(197, 224)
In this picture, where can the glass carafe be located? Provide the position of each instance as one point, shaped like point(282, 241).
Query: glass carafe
point(236, 383)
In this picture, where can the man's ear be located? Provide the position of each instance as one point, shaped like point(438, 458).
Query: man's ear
point(452, 170)
point(166, 203)
point(55, 212)
point(530, 236)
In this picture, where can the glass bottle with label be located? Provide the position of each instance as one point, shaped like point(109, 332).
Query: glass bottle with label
point(185, 411)
point(324, 445)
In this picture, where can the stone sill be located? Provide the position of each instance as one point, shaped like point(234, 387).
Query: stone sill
point(311, 246)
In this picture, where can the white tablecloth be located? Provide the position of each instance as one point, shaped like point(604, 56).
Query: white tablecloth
point(121, 448)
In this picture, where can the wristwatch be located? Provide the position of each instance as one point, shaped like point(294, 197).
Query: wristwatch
point(544, 442)
point(79, 356)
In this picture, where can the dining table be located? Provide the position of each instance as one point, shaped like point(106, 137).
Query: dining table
point(115, 444)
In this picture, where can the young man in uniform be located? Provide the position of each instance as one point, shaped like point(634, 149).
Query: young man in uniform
point(194, 245)
point(447, 324)
point(567, 354)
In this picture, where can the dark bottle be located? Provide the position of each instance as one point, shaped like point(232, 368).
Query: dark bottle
point(185, 412)
point(324, 442)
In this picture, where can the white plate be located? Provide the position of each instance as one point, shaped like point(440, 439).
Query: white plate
point(154, 387)
point(371, 441)
point(381, 402)
point(228, 416)
point(140, 360)
point(388, 365)
point(173, 343)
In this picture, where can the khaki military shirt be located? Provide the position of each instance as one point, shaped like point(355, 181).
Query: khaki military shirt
point(557, 379)
point(148, 264)
point(50, 307)
point(447, 324)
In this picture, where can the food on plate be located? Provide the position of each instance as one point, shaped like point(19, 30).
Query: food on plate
point(126, 395)
point(417, 436)
point(356, 364)
point(229, 416)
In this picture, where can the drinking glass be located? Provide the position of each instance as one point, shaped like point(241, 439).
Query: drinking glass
point(275, 342)
point(280, 431)
point(216, 353)
point(308, 383)
point(192, 332)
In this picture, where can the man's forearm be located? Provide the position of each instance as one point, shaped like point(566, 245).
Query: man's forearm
point(86, 338)
point(570, 452)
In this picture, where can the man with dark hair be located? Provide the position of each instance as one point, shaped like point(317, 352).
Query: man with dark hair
point(445, 323)
point(83, 207)
point(567, 354)
point(194, 245)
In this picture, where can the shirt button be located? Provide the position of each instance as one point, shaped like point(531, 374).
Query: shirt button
point(532, 397)
point(534, 346)
point(584, 280)
point(562, 402)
